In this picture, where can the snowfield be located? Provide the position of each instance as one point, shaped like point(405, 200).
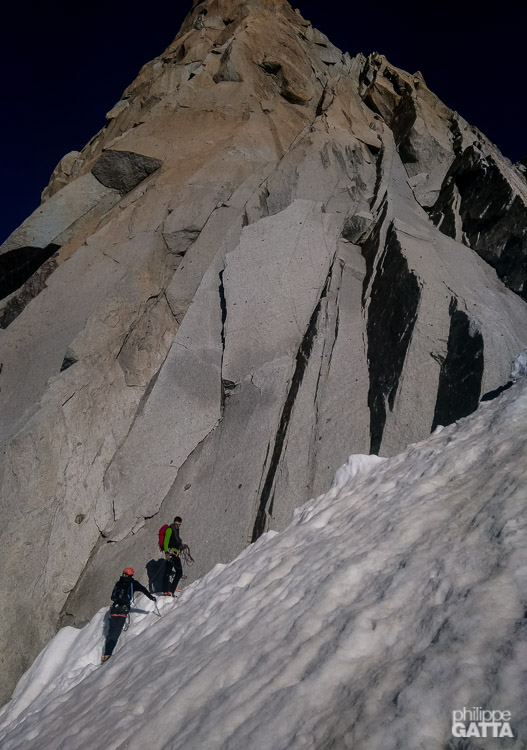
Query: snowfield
point(393, 600)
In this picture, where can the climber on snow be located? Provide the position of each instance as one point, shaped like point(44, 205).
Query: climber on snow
point(172, 547)
point(122, 598)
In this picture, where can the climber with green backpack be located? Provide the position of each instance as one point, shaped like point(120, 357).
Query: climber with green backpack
point(122, 598)
point(172, 545)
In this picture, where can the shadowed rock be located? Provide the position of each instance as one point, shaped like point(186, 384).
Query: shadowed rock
point(480, 206)
point(15, 279)
point(123, 170)
point(461, 372)
point(18, 265)
point(392, 314)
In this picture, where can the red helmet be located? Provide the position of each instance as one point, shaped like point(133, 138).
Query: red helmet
point(128, 572)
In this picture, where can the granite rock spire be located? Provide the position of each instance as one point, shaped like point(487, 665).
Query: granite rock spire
point(264, 230)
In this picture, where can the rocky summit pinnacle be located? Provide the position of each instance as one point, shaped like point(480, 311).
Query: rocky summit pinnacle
point(271, 257)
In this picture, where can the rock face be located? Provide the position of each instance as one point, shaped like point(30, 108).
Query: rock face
point(265, 229)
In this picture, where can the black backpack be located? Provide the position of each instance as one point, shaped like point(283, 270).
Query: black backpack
point(123, 593)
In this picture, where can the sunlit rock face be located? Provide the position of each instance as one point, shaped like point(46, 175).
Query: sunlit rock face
point(271, 257)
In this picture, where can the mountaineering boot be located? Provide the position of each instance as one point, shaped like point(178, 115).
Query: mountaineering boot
point(104, 658)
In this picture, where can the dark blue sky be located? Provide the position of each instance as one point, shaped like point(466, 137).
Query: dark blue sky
point(65, 66)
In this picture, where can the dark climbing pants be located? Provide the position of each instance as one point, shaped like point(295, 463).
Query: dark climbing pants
point(173, 568)
point(115, 627)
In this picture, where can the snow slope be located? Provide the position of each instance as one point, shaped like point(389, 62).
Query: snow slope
point(392, 600)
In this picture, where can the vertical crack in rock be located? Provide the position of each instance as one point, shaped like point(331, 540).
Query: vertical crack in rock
point(226, 385)
point(223, 306)
point(461, 372)
point(379, 173)
point(392, 314)
point(370, 251)
point(252, 538)
point(332, 330)
point(331, 345)
point(328, 330)
point(302, 359)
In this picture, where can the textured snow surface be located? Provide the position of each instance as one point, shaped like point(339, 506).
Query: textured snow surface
point(392, 600)
point(519, 367)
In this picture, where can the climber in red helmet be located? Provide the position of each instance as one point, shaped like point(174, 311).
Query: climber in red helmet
point(122, 598)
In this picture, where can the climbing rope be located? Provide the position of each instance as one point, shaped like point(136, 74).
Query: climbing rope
point(186, 557)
